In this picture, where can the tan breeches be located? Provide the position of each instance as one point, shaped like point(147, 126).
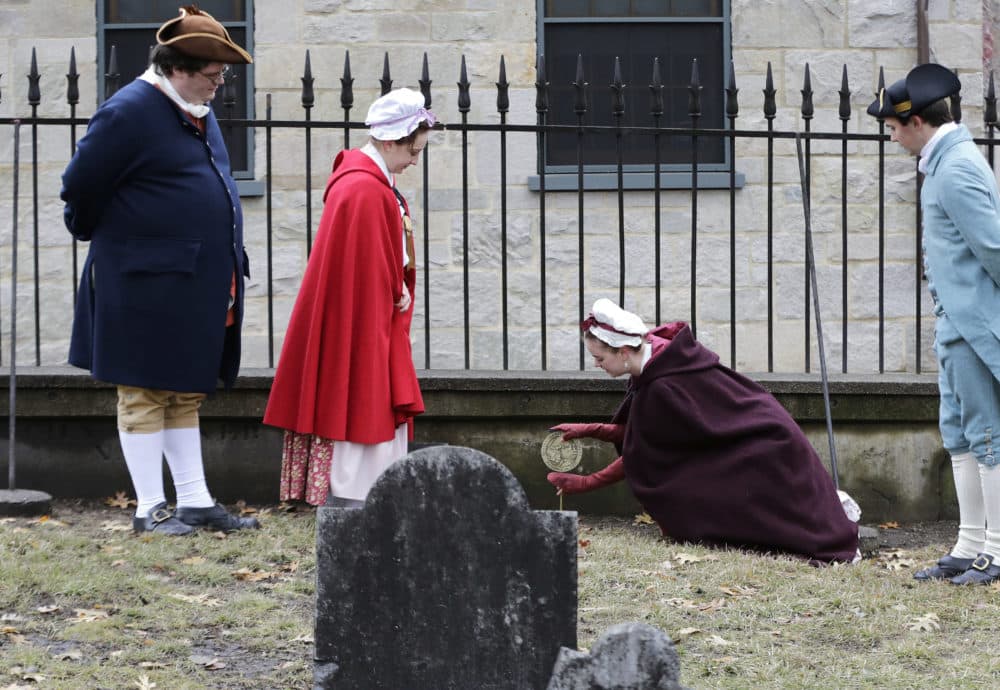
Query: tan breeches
point(146, 410)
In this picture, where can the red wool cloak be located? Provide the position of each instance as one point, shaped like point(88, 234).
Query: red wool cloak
point(346, 369)
point(715, 458)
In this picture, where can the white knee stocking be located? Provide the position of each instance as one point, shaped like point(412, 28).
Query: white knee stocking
point(183, 450)
point(971, 509)
point(144, 459)
point(990, 477)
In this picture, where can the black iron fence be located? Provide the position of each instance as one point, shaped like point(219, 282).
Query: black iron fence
point(841, 150)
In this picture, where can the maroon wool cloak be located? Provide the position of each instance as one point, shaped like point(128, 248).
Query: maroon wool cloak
point(346, 369)
point(714, 458)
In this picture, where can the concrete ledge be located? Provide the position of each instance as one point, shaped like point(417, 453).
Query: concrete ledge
point(887, 444)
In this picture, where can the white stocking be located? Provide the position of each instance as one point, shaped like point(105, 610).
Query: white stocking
point(144, 459)
point(971, 510)
point(183, 450)
point(990, 477)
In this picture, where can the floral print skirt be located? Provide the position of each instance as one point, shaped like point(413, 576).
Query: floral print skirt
point(305, 468)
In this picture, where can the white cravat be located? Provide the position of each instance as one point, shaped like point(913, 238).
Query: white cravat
point(928, 149)
point(156, 79)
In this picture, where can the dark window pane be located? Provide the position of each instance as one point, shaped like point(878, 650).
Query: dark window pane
point(696, 8)
point(633, 8)
point(159, 11)
point(132, 48)
point(651, 8)
point(610, 8)
point(567, 8)
point(636, 45)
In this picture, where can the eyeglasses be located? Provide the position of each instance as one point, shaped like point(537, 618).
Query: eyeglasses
point(216, 77)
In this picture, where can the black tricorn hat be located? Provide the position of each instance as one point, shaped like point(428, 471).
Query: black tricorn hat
point(925, 84)
point(199, 35)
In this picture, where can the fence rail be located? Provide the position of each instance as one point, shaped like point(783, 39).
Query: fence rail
point(552, 221)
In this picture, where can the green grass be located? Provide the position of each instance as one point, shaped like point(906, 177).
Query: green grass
point(88, 605)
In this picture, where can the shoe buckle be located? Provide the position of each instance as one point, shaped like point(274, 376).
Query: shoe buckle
point(160, 515)
point(982, 562)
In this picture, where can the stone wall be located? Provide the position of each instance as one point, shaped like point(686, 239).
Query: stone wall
point(889, 454)
point(825, 34)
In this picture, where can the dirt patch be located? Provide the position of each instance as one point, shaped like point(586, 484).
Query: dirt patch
point(915, 535)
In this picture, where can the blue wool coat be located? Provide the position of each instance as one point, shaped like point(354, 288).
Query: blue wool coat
point(158, 204)
point(961, 242)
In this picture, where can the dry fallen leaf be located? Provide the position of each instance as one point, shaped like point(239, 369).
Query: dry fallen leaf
point(584, 543)
point(685, 633)
point(89, 615)
point(248, 575)
point(49, 521)
point(209, 663)
point(69, 655)
point(719, 641)
point(201, 599)
point(679, 603)
point(739, 591)
point(643, 519)
point(889, 525)
point(151, 664)
point(929, 622)
point(115, 526)
point(244, 509)
point(193, 560)
point(144, 683)
point(710, 606)
point(308, 639)
point(120, 500)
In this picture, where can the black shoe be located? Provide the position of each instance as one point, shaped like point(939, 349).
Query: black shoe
point(948, 567)
point(982, 572)
point(161, 520)
point(215, 518)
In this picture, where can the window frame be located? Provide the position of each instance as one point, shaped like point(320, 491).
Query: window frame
point(244, 178)
point(641, 175)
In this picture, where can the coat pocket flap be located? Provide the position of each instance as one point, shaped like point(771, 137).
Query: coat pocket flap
point(160, 255)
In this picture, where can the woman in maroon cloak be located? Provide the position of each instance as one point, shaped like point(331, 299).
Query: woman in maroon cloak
point(711, 456)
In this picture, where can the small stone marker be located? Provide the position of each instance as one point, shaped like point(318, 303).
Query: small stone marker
point(444, 579)
point(628, 656)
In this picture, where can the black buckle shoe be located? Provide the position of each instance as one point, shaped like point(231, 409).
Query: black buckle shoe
point(949, 566)
point(161, 521)
point(215, 518)
point(982, 572)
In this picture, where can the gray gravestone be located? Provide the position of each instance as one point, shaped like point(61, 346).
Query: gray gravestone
point(629, 656)
point(444, 579)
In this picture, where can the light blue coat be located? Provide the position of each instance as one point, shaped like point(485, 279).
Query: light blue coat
point(961, 242)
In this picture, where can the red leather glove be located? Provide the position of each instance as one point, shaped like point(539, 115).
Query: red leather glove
point(578, 484)
point(612, 433)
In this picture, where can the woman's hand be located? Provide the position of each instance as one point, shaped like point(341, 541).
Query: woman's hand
point(404, 301)
point(612, 433)
point(568, 483)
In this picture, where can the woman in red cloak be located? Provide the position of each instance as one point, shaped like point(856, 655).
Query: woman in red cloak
point(711, 456)
point(345, 389)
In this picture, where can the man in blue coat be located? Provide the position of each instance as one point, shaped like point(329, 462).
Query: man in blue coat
point(961, 245)
point(161, 296)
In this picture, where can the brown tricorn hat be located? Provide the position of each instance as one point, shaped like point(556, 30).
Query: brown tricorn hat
point(197, 34)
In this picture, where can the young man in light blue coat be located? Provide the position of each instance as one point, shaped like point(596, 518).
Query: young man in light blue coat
point(961, 244)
